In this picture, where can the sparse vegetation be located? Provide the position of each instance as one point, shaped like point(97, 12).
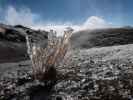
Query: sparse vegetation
point(45, 59)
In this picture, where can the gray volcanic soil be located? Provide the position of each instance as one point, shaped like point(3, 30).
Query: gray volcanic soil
point(87, 76)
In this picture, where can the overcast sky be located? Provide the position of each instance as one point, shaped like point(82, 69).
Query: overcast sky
point(89, 13)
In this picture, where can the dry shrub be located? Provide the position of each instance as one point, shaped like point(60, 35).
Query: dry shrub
point(46, 59)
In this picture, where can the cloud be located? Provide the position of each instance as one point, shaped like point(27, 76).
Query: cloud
point(58, 28)
point(94, 22)
point(24, 16)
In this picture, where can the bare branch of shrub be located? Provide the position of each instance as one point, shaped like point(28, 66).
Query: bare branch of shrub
point(45, 58)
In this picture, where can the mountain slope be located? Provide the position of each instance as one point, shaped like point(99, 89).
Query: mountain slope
point(102, 37)
point(13, 42)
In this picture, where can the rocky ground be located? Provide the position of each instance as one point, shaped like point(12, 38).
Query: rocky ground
point(88, 75)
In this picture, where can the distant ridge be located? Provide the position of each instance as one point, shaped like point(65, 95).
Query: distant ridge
point(102, 37)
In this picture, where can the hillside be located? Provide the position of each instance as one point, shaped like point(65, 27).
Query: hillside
point(102, 37)
point(90, 74)
point(95, 69)
point(13, 42)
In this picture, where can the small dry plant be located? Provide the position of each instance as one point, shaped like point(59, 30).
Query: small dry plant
point(45, 59)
